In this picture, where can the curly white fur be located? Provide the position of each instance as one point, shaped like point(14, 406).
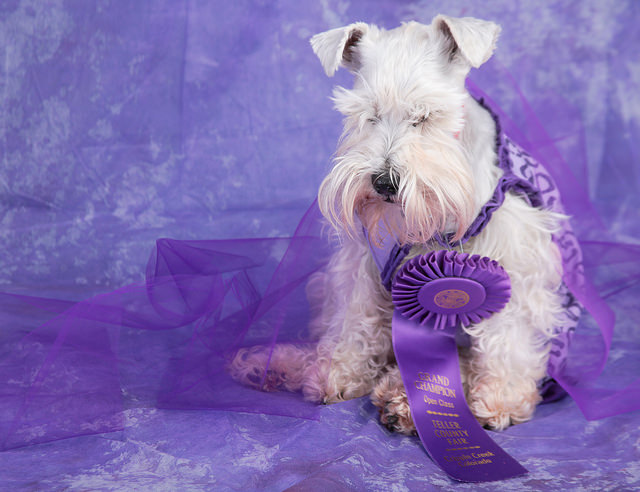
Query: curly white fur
point(410, 117)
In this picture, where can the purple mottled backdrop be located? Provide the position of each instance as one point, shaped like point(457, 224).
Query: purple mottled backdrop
point(123, 121)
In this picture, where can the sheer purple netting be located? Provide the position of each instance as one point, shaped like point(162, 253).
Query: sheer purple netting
point(73, 368)
point(163, 342)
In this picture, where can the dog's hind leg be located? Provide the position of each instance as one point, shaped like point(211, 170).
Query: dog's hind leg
point(355, 345)
point(269, 369)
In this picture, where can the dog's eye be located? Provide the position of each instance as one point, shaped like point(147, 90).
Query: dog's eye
point(420, 121)
point(374, 121)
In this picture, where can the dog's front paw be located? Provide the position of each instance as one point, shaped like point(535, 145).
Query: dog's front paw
point(396, 416)
point(497, 406)
point(390, 397)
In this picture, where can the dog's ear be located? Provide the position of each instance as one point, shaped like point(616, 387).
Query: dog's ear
point(339, 47)
point(472, 39)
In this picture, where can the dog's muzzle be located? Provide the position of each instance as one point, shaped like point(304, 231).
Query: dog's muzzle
point(385, 184)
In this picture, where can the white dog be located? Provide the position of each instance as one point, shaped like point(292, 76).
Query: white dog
point(418, 156)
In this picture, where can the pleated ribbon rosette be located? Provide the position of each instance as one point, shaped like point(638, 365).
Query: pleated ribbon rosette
point(444, 288)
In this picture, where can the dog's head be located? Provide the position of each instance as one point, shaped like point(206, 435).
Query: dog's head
point(402, 159)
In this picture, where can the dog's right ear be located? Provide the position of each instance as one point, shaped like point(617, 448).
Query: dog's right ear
point(472, 40)
point(339, 47)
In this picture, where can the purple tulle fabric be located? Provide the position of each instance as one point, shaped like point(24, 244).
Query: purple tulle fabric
point(73, 368)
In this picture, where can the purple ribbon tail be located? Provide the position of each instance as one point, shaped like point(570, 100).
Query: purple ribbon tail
point(428, 362)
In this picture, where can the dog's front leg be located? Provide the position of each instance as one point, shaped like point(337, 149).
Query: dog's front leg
point(356, 344)
point(503, 366)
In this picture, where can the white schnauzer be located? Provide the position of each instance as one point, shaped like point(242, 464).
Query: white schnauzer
point(418, 160)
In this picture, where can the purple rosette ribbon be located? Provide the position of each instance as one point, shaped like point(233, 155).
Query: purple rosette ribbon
point(444, 288)
point(433, 294)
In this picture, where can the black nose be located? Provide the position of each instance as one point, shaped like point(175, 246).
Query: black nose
point(385, 184)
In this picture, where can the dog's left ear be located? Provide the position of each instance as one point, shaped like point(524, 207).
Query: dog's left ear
point(339, 47)
point(472, 39)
